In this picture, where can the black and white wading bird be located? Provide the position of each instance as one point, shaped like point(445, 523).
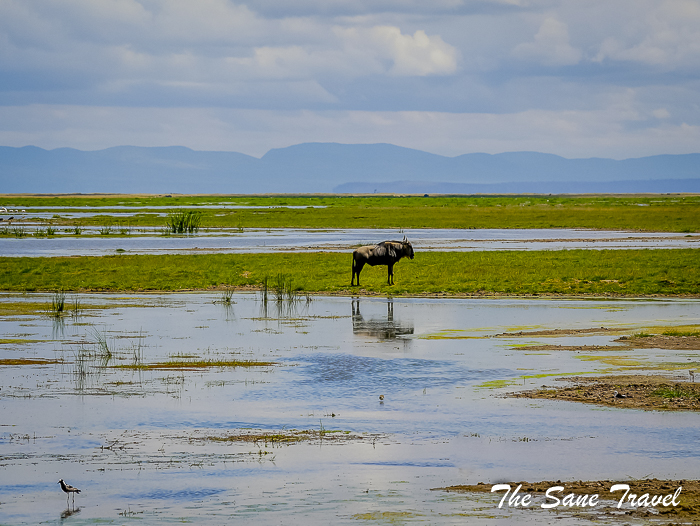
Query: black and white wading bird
point(620, 395)
point(68, 489)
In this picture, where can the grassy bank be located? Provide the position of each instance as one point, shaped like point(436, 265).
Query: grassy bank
point(670, 213)
point(626, 272)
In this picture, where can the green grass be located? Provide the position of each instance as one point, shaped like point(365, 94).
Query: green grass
point(670, 213)
point(682, 333)
point(677, 391)
point(26, 361)
point(194, 364)
point(568, 272)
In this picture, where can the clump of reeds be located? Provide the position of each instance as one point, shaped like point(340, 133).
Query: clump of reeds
point(226, 297)
point(285, 295)
point(19, 231)
point(283, 289)
point(106, 230)
point(58, 304)
point(75, 312)
point(183, 221)
point(102, 350)
point(49, 231)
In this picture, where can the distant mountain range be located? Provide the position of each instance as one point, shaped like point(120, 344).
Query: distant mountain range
point(339, 168)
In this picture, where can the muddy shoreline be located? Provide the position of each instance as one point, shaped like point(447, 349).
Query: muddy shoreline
point(648, 392)
point(688, 508)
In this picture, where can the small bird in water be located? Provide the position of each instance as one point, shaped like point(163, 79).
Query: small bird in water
point(68, 489)
point(620, 395)
point(381, 397)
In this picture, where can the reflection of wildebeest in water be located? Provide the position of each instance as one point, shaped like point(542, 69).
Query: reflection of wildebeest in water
point(382, 328)
point(385, 253)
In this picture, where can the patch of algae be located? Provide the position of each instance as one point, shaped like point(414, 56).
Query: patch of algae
point(390, 517)
point(497, 384)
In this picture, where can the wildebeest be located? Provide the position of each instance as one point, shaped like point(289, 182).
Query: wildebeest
point(385, 253)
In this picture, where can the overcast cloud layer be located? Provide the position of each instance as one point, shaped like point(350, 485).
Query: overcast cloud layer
point(598, 78)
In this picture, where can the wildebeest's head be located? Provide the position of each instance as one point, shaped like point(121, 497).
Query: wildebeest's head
point(407, 248)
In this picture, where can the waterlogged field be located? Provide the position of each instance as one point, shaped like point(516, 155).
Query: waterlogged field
point(282, 405)
point(126, 215)
point(216, 408)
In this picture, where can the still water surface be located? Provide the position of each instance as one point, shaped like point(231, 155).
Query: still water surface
point(138, 442)
point(91, 243)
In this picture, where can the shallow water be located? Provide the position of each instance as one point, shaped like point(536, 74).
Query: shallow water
point(137, 441)
point(151, 241)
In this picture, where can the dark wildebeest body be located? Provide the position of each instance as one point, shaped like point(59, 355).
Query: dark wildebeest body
point(385, 253)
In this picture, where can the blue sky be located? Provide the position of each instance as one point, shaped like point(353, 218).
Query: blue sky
point(593, 78)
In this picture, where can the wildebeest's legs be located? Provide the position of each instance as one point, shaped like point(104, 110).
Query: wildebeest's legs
point(390, 278)
point(356, 269)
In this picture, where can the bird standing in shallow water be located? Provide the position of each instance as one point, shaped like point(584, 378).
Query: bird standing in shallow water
point(68, 489)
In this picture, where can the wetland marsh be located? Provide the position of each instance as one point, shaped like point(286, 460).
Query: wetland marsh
point(263, 388)
point(300, 435)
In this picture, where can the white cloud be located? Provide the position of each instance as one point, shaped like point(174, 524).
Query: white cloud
point(356, 52)
point(417, 54)
point(550, 46)
point(668, 35)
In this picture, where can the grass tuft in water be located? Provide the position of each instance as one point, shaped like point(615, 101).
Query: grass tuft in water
point(183, 221)
point(58, 304)
point(226, 297)
point(137, 351)
point(99, 340)
point(19, 231)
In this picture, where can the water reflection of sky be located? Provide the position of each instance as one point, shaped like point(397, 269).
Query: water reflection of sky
point(437, 425)
point(276, 240)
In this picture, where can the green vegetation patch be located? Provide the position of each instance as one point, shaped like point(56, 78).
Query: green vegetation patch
point(677, 391)
point(498, 384)
point(27, 361)
point(285, 436)
point(563, 272)
point(678, 332)
point(19, 341)
point(668, 213)
point(195, 364)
